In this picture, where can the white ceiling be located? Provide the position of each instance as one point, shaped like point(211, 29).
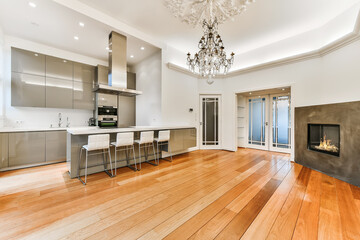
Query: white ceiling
point(52, 24)
point(264, 22)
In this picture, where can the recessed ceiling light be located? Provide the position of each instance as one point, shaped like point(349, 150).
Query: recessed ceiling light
point(132, 56)
point(142, 48)
point(36, 54)
point(81, 24)
point(76, 37)
point(31, 4)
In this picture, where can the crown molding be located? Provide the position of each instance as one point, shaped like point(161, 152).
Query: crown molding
point(327, 49)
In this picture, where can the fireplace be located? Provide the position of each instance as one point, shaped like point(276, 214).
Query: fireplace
point(324, 138)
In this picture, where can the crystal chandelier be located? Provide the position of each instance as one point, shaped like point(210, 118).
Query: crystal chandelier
point(211, 58)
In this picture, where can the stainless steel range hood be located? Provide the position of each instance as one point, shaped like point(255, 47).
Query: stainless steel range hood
point(117, 80)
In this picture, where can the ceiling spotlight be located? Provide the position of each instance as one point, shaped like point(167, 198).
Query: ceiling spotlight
point(81, 24)
point(36, 54)
point(132, 56)
point(31, 4)
point(142, 48)
point(76, 37)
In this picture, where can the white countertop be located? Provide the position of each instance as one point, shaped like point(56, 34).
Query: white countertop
point(35, 129)
point(97, 130)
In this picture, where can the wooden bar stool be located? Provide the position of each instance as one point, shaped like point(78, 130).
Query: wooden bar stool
point(99, 142)
point(163, 139)
point(145, 141)
point(125, 142)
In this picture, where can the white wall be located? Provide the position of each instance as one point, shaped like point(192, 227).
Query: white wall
point(179, 92)
point(333, 78)
point(39, 117)
point(1, 76)
point(148, 80)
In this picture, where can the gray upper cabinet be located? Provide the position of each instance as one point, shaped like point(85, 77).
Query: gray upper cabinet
point(131, 80)
point(4, 147)
point(26, 148)
point(27, 90)
point(84, 97)
point(59, 68)
point(102, 73)
point(84, 73)
point(42, 81)
point(59, 93)
point(55, 146)
point(23, 61)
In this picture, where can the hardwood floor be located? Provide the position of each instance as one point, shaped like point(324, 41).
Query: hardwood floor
point(206, 194)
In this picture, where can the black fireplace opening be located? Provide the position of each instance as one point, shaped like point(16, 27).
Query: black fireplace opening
point(324, 138)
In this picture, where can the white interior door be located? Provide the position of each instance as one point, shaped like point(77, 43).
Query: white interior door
point(257, 122)
point(210, 121)
point(280, 123)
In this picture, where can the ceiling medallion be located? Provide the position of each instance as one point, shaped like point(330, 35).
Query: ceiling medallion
point(211, 58)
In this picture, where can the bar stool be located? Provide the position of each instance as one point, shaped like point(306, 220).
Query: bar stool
point(163, 139)
point(125, 142)
point(96, 143)
point(146, 139)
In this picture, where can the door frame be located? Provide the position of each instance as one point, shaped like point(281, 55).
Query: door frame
point(277, 149)
point(267, 139)
point(219, 130)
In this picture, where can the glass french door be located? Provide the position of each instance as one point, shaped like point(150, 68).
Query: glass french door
point(281, 123)
point(210, 121)
point(257, 108)
point(269, 123)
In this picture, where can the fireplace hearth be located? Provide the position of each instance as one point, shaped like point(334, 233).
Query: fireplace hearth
point(324, 138)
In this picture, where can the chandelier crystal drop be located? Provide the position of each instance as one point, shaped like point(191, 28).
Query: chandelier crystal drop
point(211, 58)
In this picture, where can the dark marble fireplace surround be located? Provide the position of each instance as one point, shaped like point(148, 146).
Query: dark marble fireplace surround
point(346, 166)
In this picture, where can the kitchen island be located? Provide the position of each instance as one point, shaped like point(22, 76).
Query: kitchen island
point(181, 139)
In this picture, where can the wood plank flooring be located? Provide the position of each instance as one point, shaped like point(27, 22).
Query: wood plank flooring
point(205, 194)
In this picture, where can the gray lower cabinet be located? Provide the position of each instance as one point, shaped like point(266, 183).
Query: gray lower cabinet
point(55, 146)
point(59, 93)
point(26, 148)
point(4, 147)
point(27, 90)
point(84, 97)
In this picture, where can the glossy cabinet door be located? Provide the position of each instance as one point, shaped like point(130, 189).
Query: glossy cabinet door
point(26, 148)
point(102, 74)
point(84, 73)
point(107, 100)
point(4, 147)
point(55, 146)
point(27, 90)
point(59, 93)
point(189, 138)
point(84, 97)
point(23, 61)
point(59, 68)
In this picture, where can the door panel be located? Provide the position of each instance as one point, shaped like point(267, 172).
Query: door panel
point(23, 61)
point(257, 119)
point(59, 68)
point(281, 123)
point(210, 134)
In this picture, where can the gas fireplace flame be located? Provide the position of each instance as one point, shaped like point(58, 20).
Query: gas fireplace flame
point(326, 145)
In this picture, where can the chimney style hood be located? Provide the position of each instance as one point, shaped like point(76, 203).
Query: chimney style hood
point(117, 80)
